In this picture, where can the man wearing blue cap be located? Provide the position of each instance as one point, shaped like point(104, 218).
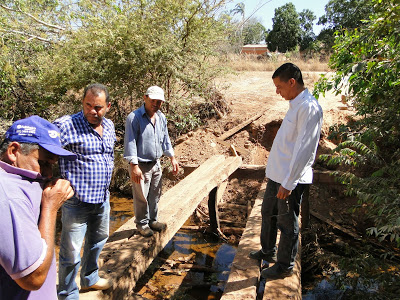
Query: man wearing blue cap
point(29, 201)
point(91, 137)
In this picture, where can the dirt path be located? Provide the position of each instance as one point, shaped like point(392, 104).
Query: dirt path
point(248, 94)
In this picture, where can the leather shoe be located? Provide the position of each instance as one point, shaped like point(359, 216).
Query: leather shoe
point(276, 272)
point(102, 284)
point(259, 255)
point(146, 232)
point(158, 226)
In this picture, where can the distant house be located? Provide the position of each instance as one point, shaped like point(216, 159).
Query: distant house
point(254, 49)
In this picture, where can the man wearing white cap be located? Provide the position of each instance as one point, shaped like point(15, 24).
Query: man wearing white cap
point(29, 201)
point(146, 140)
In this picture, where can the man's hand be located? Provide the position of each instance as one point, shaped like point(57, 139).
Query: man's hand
point(55, 193)
point(175, 165)
point(136, 173)
point(283, 193)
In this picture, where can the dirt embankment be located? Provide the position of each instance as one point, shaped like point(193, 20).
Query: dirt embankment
point(249, 94)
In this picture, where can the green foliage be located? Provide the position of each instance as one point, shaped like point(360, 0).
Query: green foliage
point(364, 276)
point(134, 44)
point(51, 49)
point(343, 14)
point(307, 35)
point(369, 58)
point(182, 118)
point(347, 14)
point(286, 30)
point(27, 28)
point(291, 29)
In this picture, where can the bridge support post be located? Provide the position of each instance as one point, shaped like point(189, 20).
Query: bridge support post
point(213, 210)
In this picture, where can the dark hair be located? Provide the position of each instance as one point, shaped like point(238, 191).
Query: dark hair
point(288, 71)
point(26, 148)
point(96, 89)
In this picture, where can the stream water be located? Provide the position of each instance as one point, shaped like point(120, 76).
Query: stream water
point(206, 251)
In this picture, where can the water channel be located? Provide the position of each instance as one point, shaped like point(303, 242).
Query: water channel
point(211, 253)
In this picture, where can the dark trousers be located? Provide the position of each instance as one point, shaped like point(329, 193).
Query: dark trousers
point(283, 215)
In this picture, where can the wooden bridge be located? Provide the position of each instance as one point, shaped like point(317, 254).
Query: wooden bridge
point(127, 254)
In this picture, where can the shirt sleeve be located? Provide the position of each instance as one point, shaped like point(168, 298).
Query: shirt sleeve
point(22, 249)
point(309, 121)
point(130, 139)
point(166, 143)
point(60, 123)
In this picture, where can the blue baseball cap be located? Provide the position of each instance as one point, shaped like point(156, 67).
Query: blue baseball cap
point(37, 130)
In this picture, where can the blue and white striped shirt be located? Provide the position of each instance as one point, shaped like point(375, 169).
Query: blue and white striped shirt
point(90, 174)
point(144, 141)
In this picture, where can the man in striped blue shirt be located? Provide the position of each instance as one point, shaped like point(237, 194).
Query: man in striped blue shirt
point(91, 137)
point(146, 140)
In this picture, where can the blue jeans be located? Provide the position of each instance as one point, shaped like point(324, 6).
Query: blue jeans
point(81, 220)
point(283, 215)
point(146, 195)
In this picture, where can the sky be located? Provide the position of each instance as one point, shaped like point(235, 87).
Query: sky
point(267, 11)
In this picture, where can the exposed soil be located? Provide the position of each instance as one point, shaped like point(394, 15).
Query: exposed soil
point(248, 94)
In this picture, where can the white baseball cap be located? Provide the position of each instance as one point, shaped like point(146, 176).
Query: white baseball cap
point(155, 92)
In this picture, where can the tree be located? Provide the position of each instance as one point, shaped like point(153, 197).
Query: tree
point(27, 28)
point(369, 57)
point(286, 30)
point(239, 9)
point(307, 35)
point(127, 45)
point(253, 32)
point(343, 14)
point(348, 14)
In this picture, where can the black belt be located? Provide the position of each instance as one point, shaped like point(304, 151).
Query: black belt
point(147, 162)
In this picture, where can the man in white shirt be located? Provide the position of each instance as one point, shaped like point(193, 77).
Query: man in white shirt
point(289, 171)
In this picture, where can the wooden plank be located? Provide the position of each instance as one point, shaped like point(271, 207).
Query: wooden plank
point(288, 287)
point(245, 272)
point(239, 127)
point(239, 149)
point(335, 225)
point(252, 167)
point(127, 255)
point(220, 191)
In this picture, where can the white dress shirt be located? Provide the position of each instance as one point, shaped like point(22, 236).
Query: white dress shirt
point(295, 145)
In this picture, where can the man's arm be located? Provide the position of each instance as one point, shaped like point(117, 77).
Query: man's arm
point(130, 139)
point(53, 196)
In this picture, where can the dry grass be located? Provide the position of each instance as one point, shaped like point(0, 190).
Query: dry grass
point(251, 62)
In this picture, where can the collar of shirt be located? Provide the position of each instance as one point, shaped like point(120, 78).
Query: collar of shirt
point(299, 98)
point(144, 113)
point(104, 122)
point(5, 167)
